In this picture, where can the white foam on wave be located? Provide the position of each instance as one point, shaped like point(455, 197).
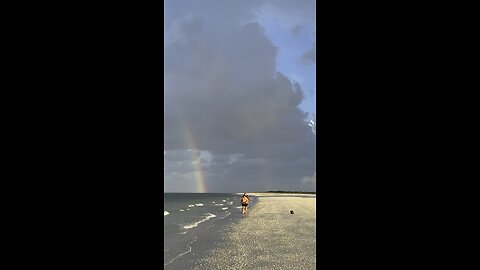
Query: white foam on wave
point(191, 205)
point(181, 210)
point(228, 214)
point(199, 204)
point(224, 200)
point(224, 208)
point(165, 213)
point(230, 203)
point(238, 207)
point(183, 253)
point(195, 224)
point(213, 202)
point(219, 204)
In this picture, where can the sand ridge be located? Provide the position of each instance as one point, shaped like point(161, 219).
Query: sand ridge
point(270, 237)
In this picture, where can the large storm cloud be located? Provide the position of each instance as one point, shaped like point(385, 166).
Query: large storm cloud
point(228, 111)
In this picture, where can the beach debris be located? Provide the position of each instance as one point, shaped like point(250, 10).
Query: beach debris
point(291, 212)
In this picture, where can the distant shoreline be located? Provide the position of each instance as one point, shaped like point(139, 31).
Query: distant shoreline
point(272, 194)
point(279, 192)
point(248, 192)
point(296, 192)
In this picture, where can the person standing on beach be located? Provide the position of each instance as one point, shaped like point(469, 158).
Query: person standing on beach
point(245, 200)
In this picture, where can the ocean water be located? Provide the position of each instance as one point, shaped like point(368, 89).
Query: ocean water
point(194, 223)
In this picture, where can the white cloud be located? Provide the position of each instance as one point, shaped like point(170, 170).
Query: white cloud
point(233, 158)
point(310, 179)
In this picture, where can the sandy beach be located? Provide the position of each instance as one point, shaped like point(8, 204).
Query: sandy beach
point(270, 237)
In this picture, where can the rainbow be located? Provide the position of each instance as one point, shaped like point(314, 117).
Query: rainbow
point(192, 147)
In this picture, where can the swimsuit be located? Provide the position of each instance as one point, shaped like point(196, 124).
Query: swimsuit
point(245, 203)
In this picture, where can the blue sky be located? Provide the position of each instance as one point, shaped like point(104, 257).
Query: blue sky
point(291, 46)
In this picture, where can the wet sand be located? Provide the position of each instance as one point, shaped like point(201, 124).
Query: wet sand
point(270, 237)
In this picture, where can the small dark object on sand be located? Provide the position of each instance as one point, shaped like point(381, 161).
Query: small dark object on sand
point(291, 212)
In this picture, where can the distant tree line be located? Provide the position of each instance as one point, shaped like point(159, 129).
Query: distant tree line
point(297, 192)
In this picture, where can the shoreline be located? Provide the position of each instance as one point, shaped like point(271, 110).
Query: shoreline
point(269, 237)
point(207, 238)
point(274, 194)
point(271, 194)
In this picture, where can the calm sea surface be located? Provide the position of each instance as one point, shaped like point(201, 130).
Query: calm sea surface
point(194, 224)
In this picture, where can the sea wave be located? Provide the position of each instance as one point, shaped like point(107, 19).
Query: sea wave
point(191, 205)
point(181, 210)
point(183, 253)
point(219, 204)
point(199, 204)
point(224, 200)
point(228, 214)
point(195, 224)
point(230, 203)
point(224, 208)
point(165, 213)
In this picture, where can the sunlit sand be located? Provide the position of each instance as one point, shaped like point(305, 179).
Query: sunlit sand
point(270, 237)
